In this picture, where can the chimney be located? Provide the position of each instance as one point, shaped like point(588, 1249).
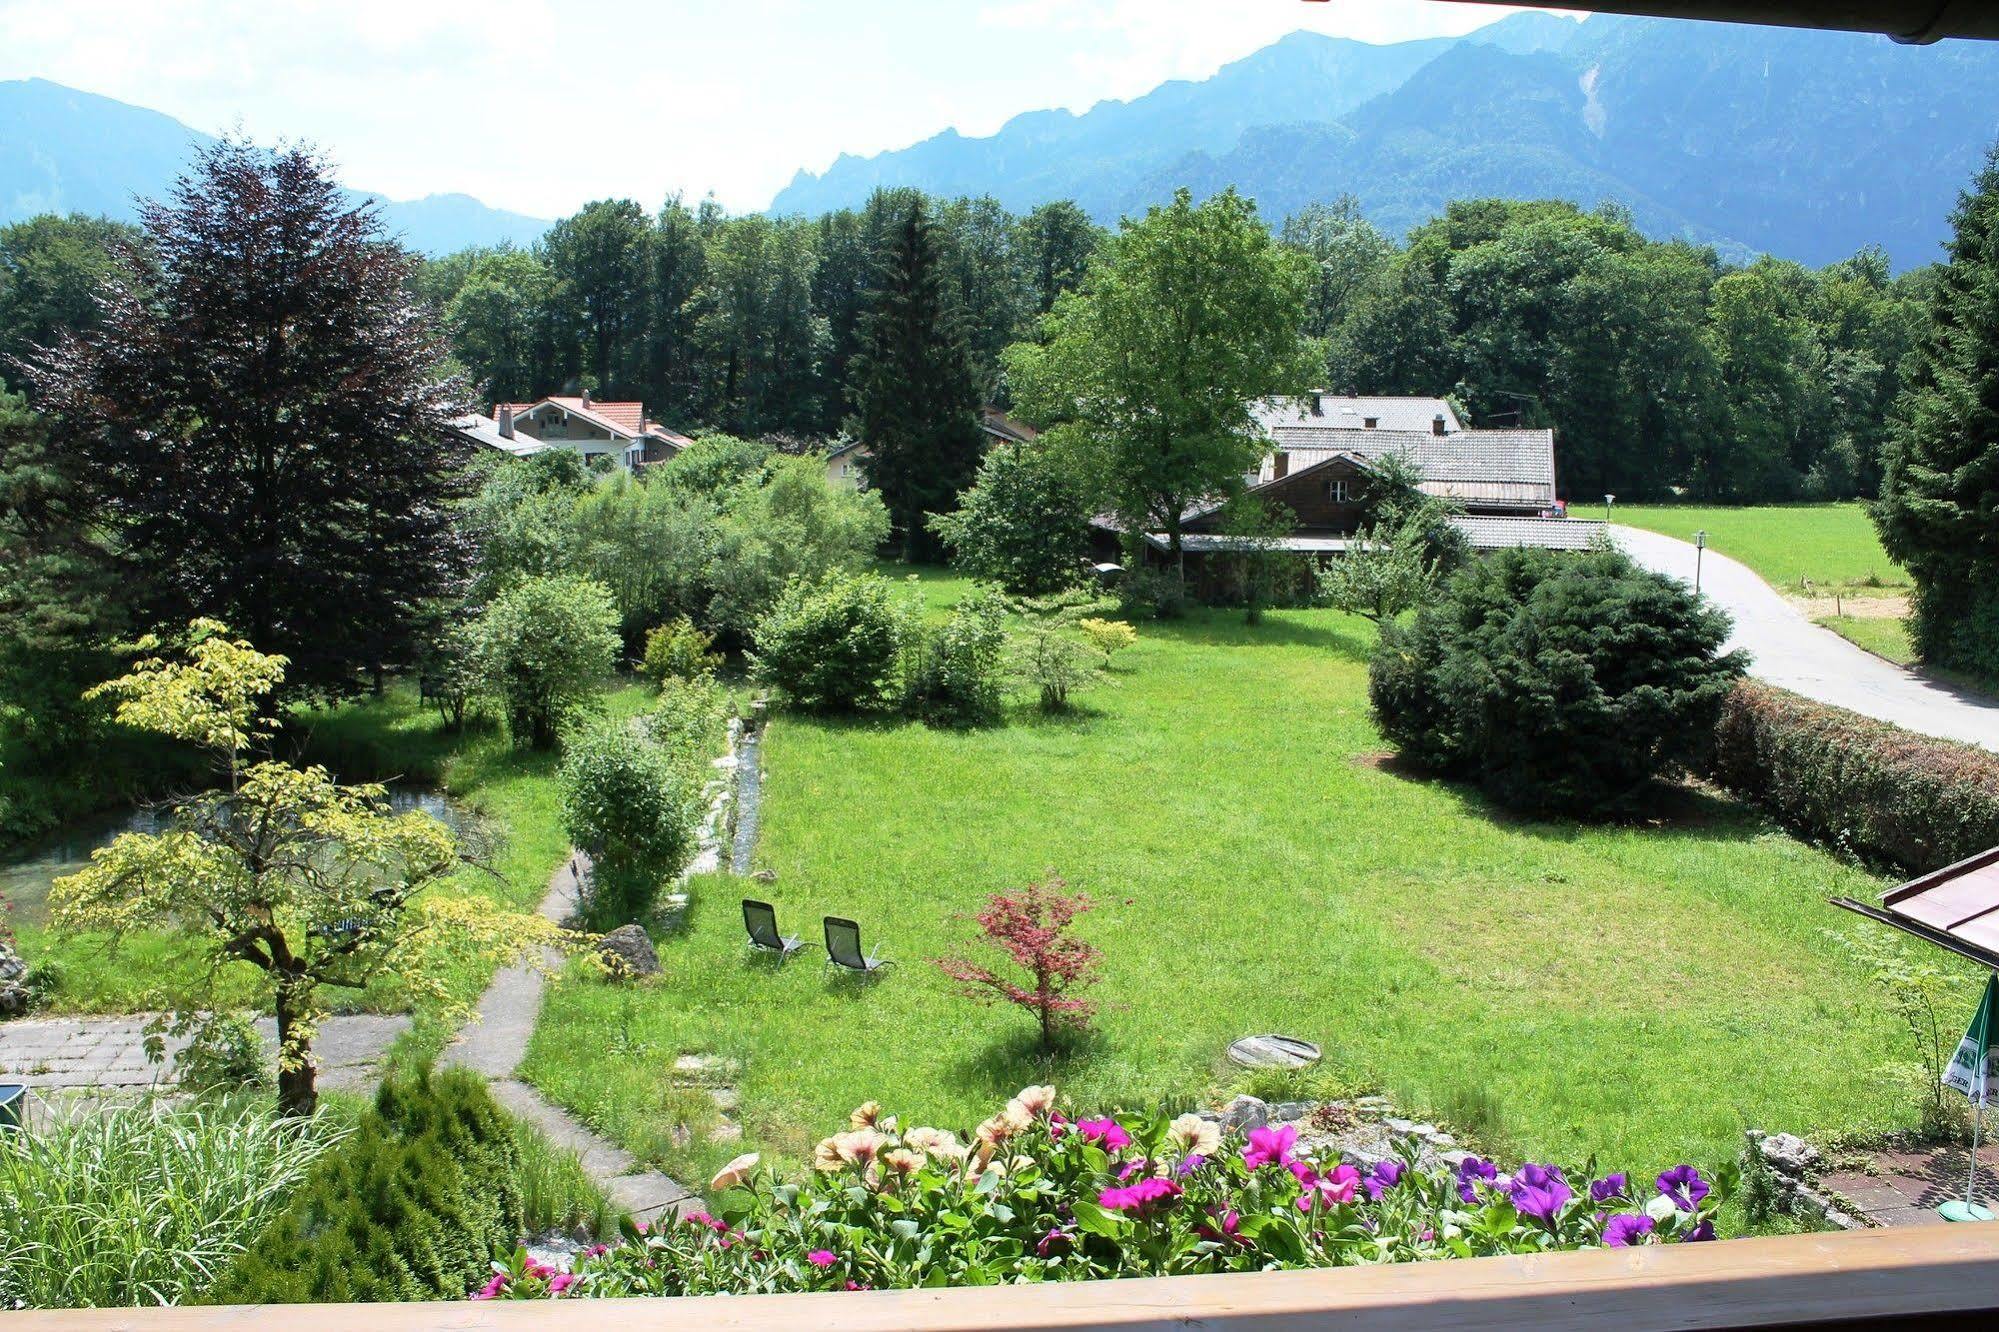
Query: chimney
point(1318, 403)
point(586, 407)
point(506, 419)
point(1280, 465)
point(1437, 424)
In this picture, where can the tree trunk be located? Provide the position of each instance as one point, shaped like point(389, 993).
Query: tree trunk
point(298, 1091)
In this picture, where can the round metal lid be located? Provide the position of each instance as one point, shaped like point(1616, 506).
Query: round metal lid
point(1273, 1052)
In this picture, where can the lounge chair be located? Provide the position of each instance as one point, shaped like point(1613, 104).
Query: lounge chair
point(843, 948)
point(760, 919)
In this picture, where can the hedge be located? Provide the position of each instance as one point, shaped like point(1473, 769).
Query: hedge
point(414, 1206)
point(1884, 794)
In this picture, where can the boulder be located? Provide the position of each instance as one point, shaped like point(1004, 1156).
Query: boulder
point(1788, 1154)
point(628, 952)
point(1246, 1113)
point(13, 994)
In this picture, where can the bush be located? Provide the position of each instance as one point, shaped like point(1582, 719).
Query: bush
point(544, 645)
point(1033, 1195)
point(143, 1204)
point(1055, 664)
point(1560, 683)
point(634, 809)
point(1160, 594)
point(1874, 790)
point(679, 651)
point(1030, 929)
point(956, 673)
point(223, 1054)
point(557, 1194)
point(1024, 524)
point(831, 646)
point(1107, 636)
point(414, 1206)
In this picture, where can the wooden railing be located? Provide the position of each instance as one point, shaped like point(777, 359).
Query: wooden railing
point(1937, 1274)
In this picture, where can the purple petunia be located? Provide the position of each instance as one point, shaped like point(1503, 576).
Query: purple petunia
point(1684, 1185)
point(1621, 1232)
point(1540, 1192)
point(1610, 1186)
point(1270, 1145)
point(1701, 1232)
point(1385, 1176)
point(1471, 1171)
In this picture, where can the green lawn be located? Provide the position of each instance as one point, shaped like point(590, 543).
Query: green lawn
point(1641, 992)
point(1834, 545)
point(1884, 637)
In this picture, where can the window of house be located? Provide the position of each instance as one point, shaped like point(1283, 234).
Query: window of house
point(1339, 492)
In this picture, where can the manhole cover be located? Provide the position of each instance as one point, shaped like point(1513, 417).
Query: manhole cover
point(1273, 1052)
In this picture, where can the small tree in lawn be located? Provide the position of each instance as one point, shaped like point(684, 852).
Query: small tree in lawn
point(1031, 928)
point(544, 646)
point(1381, 575)
point(312, 883)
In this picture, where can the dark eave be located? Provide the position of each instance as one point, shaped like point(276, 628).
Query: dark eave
point(1913, 21)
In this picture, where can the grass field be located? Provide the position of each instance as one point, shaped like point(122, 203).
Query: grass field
point(1833, 545)
point(1884, 637)
point(1641, 992)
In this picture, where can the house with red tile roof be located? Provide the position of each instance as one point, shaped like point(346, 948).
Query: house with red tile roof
point(620, 431)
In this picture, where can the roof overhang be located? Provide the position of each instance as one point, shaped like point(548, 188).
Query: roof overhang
point(1956, 908)
point(1911, 21)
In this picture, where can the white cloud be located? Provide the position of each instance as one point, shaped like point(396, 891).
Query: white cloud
point(540, 106)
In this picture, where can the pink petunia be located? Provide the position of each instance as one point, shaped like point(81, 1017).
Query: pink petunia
point(492, 1288)
point(1270, 1145)
point(561, 1282)
point(1106, 1133)
point(1337, 1185)
point(822, 1258)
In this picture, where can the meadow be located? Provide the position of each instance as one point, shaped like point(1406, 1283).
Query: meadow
point(1834, 546)
point(1256, 863)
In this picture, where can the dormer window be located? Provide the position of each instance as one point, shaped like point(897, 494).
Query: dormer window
point(1339, 491)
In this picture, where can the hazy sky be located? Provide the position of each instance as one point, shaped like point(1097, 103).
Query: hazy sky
point(541, 106)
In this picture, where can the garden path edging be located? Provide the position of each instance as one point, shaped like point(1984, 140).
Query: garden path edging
point(496, 1040)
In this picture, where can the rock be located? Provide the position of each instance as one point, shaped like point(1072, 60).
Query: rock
point(706, 1068)
point(1396, 1125)
point(725, 1098)
point(13, 994)
point(1246, 1113)
point(725, 1132)
point(1285, 1111)
point(1442, 1139)
point(1788, 1154)
point(628, 952)
point(12, 968)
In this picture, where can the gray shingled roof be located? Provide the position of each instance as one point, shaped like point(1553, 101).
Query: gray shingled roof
point(1475, 466)
point(1543, 533)
point(1344, 413)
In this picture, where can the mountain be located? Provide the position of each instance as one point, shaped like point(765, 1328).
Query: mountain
point(1799, 143)
point(66, 151)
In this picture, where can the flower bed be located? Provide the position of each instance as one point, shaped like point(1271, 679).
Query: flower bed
point(1033, 1195)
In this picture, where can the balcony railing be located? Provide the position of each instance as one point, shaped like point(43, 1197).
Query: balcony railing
point(1938, 1274)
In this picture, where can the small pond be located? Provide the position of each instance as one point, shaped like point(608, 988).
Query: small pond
point(25, 875)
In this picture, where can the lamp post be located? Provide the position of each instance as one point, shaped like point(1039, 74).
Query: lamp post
point(1608, 500)
point(1700, 550)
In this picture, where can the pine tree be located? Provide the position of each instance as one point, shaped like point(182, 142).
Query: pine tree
point(1939, 507)
point(262, 408)
point(915, 404)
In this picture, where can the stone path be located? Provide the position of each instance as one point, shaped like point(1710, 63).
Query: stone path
point(494, 1044)
point(1790, 651)
point(1907, 1186)
point(109, 1053)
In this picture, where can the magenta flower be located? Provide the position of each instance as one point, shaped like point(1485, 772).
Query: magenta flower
point(822, 1258)
point(1106, 1133)
point(1385, 1176)
point(1471, 1171)
point(1610, 1186)
point(492, 1288)
point(1056, 1235)
point(1337, 1185)
point(1268, 1145)
point(1540, 1192)
point(1227, 1227)
point(1699, 1234)
point(1622, 1232)
point(1684, 1185)
point(1140, 1197)
point(561, 1282)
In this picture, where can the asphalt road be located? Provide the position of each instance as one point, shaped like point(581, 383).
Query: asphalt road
point(1790, 651)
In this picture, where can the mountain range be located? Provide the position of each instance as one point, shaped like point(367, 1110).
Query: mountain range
point(1799, 143)
point(66, 151)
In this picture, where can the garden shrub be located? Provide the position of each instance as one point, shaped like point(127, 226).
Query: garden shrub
point(635, 809)
point(956, 672)
point(831, 646)
point(1877, 791)
point(1055, 664)
point(1561, 683)
point(1160, 594)
point(144, 1204)
point(1034, 1195)
point(1024, 524)
point(543, 646)
point(1107, 636)
point(414, 1206)
point(679, 651)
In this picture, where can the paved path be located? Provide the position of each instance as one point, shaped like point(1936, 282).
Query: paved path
point(1905, 1188)
point(495, 1042)
point(109, 1053)
point(1790, 651)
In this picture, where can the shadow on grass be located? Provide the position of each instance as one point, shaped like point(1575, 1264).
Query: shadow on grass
point(1349, 638)
point(1006, 1064)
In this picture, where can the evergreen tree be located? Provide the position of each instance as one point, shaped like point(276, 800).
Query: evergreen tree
point(262, 409)
point(1939, 507)
point(915, 405)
